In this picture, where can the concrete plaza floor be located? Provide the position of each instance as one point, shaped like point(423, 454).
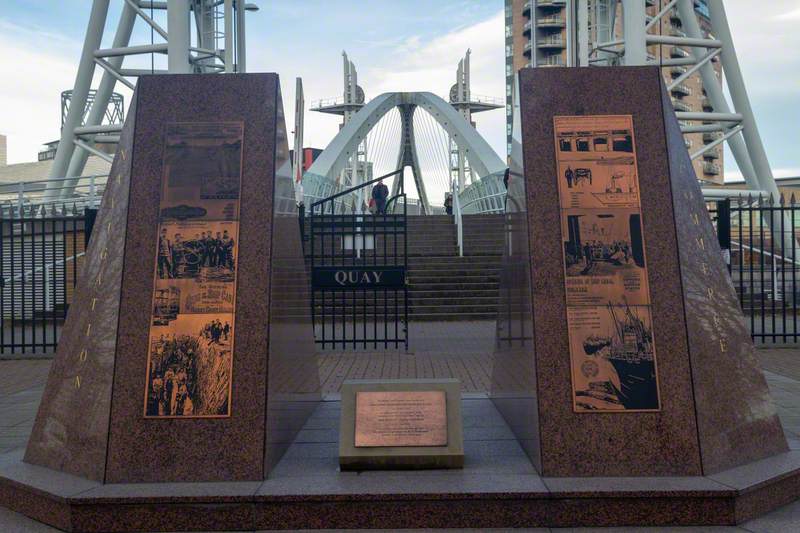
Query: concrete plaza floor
point(22, 382)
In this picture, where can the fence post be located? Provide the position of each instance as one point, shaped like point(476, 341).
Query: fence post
point(89, 217)
point(47, 302)
point(92, 191)
point(20, 197)
point(724, 229)
point(301, 214)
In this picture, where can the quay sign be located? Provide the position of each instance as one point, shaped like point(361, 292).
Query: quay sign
point(376, 277)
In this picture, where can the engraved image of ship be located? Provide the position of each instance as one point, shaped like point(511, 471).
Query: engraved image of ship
point(633, 357)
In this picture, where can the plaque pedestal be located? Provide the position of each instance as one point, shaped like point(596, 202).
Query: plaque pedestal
point(401, 424)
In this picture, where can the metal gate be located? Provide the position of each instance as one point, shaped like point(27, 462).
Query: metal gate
point(359, 297)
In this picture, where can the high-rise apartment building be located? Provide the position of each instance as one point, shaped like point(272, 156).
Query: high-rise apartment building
point(544, 33)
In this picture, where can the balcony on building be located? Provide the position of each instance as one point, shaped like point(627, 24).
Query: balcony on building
point(706, 103)
point(526, 8)
point(675, 17)
point(552, 60)
point(677, 52)
point(710, 136)
point(526, 50)
point(526, 29)
point(677, 71)
point(680, 106)
point(551, 3)
point(711, 155)
point(711, 169)
point(687, 142)
point(555, 21)
point(677, 32)
point(681, 90)
point(551, 42)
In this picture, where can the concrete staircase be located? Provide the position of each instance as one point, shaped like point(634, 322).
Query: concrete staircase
point(444, 286)
point(441, 285)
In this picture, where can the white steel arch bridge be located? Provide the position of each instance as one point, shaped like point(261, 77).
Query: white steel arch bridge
point(408, 130)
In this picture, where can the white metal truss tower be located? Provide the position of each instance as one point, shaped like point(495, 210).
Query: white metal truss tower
point(462, 100)
point(358, 168)
point(598, 45)
point(216, 45)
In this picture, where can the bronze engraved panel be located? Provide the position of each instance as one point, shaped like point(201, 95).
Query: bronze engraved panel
point(606, 284)
point(400, 418)
point(190, 352)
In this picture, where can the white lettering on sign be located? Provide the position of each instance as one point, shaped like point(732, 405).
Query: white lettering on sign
point(345, 277)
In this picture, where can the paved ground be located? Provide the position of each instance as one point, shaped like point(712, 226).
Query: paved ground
point(22, 382)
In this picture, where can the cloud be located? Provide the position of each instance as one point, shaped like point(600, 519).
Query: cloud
point(790, 15)
point(766, 49)
point(41, 65)
point(432, 67)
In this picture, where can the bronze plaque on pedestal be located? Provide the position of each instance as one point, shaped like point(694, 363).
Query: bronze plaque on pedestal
point(401, 418)
point(401, 424)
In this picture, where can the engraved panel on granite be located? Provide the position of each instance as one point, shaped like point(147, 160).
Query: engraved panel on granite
point(609, 319)
point(191, 348)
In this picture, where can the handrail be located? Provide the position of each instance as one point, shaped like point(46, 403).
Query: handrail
point(352, 189)
point(394, 199)
point(23, 193)
point(45, 267)
point(457, 219)
point(764, 252)
point(493, 195)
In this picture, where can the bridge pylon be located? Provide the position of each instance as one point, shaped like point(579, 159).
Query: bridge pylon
point(219, 47)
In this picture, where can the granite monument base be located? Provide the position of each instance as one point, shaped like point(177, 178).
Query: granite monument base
point(307, 491)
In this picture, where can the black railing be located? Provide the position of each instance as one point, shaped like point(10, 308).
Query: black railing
point(41, 254)
point(359, 296)
point(759, 241)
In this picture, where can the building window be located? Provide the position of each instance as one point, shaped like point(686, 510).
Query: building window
point(508, 110)
point(508, 129)
point(508, 30)
point(508, 89)
point(508, 69)
point(509, 53)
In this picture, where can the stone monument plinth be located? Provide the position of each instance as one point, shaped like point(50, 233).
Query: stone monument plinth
point(188, 353)
point(622, 349)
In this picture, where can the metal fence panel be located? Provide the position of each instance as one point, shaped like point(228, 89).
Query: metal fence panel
point(40, 260)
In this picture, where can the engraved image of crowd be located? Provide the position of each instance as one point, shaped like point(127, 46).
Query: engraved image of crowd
point(173, 376)
point(208, 251)
point(176, 362)
point(616, 252)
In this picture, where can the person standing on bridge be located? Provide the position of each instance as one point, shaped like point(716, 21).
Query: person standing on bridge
point(380, 193)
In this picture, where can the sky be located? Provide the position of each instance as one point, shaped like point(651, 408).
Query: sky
point(396, 45)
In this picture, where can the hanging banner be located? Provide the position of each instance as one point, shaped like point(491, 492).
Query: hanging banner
point(190, 356)
point(609, 321)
